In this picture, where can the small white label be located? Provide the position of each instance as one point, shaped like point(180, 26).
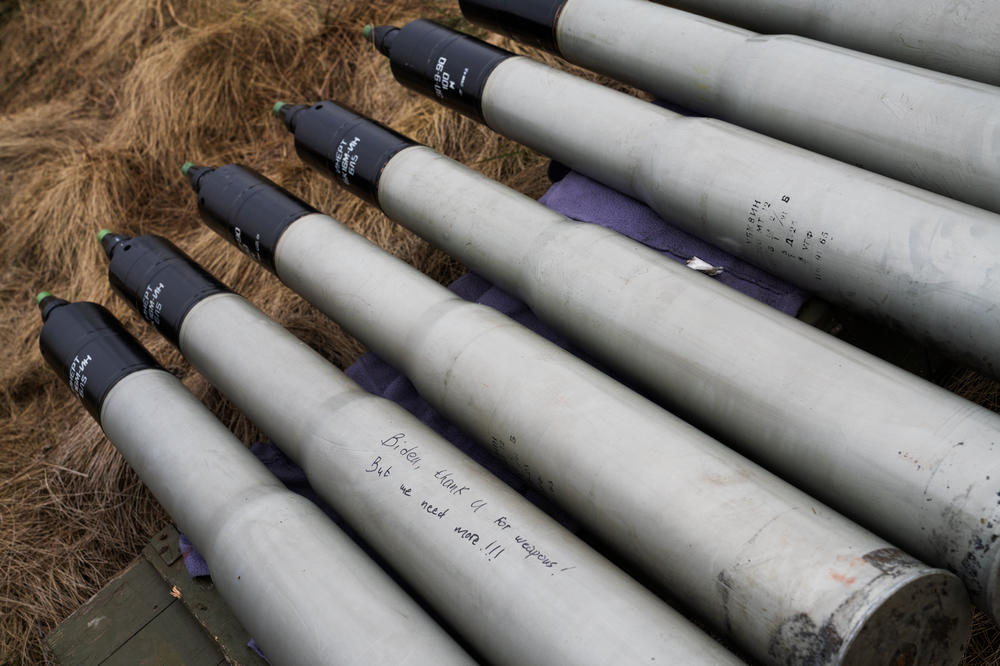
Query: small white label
point(78, 374)
point(253, 253)
point(346, 159)
point(442, 79)
point(151, 305)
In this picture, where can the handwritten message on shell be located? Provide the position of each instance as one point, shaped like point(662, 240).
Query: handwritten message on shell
point(448, 498)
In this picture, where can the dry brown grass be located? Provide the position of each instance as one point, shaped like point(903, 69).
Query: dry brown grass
point(100, 102)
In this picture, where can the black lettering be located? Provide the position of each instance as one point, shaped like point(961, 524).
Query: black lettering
point(393, 441)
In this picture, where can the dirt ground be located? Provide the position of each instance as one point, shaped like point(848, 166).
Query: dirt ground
point(100, 104)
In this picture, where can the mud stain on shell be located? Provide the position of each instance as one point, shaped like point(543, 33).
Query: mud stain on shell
point(890, 561)
point(799, 641)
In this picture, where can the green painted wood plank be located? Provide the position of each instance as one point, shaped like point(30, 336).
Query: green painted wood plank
point(122, 608)
point(172, 638)
point(154, 612)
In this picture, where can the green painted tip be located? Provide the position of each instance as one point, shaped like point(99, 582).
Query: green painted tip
point(42, 295)
point(276, 109)
point(185, 167)
point(102, 233)
point(366, 32)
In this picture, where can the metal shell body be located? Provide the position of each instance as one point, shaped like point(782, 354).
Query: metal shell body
point(919, 261)
point(910, 460)
point(305, 591)
point(786, 576)
point(961, 37)
point(932, 130)
point(519, 587)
